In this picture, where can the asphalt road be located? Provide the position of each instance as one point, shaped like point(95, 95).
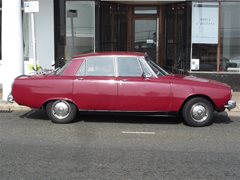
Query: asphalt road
point(117, 147)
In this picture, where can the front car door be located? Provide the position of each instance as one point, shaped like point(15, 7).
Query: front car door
point(139, 93)
point(95, 87)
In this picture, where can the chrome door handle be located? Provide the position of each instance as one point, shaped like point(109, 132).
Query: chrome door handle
point(80, 78)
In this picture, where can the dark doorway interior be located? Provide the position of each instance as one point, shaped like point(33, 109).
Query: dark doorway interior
point(113, 27)
point(178, 41)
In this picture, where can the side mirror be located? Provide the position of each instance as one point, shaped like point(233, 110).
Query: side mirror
point(144, 75)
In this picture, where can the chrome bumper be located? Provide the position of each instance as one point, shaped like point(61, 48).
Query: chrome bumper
point(230, 105)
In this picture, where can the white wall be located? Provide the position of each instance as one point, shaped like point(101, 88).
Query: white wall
point(44, 21)
point(44, 31)
point(12, 46)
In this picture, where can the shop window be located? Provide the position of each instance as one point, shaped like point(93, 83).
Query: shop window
point(80, 27)
point(207, 55)
point(230, 36)
point(204, 36)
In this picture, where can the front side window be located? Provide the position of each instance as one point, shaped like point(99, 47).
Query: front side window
point(156, 68)
point(100, 66)
point(129, 67)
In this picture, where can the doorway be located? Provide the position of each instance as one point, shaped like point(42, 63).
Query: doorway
point(177, 37)
point(145, 30)
point(113, 27)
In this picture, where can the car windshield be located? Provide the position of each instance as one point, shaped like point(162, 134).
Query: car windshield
point(155, 67)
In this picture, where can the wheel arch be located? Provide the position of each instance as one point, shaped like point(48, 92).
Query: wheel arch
point(197, 95)
point(44, 105)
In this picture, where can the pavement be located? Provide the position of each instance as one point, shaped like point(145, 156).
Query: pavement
point(6, 106)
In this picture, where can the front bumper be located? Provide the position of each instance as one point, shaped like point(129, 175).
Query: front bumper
point(230, 105)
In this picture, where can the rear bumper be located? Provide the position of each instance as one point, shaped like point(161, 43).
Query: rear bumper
point(230, 105)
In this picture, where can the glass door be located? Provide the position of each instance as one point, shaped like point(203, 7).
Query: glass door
point(146, 36)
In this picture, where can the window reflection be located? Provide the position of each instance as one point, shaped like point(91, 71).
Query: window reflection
point(230, 36)
point(129, 67)
point(100, 66)
point(80, 27)
point(207, 55)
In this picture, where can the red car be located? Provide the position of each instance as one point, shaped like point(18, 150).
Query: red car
point(121, 82)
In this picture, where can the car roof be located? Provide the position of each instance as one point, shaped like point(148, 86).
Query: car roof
point(109, 54)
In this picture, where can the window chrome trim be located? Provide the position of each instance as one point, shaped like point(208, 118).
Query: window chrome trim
point(144, 63)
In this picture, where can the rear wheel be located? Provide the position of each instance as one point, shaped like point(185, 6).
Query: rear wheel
point(198, 112)
point(61, 111)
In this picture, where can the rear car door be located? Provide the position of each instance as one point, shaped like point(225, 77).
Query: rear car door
point(95, 87)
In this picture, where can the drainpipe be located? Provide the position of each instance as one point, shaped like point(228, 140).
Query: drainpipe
point(12, 43)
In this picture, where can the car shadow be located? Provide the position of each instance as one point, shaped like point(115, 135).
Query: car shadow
point(36, 115)
point(106, 117)
point(221, 118)
point(218, 118)
point(127, 118)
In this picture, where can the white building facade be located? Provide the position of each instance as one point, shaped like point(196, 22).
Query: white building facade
point(194, 37)
point(16, 41)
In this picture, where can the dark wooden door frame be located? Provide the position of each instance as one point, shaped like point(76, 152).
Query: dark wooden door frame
point(161, 31)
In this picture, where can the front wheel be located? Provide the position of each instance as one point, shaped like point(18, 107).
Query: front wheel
point(61, 111)
point(198, 112)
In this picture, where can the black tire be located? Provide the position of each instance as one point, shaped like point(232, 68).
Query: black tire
point(61, 111)
point(198, 112)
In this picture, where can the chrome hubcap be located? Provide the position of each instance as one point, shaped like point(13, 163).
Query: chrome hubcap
point(60, 109)
point(199, 112)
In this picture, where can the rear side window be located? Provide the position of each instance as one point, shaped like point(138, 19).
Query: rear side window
point(97, 66)
point(129, 67)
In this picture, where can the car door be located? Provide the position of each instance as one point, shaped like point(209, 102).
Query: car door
point(95, 87)
point(138, 93)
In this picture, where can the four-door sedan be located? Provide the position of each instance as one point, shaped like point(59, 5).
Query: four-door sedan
point(121, 82)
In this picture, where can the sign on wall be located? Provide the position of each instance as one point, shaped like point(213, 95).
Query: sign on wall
point(204, 23)
point(195, 64)
point(31, 6)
